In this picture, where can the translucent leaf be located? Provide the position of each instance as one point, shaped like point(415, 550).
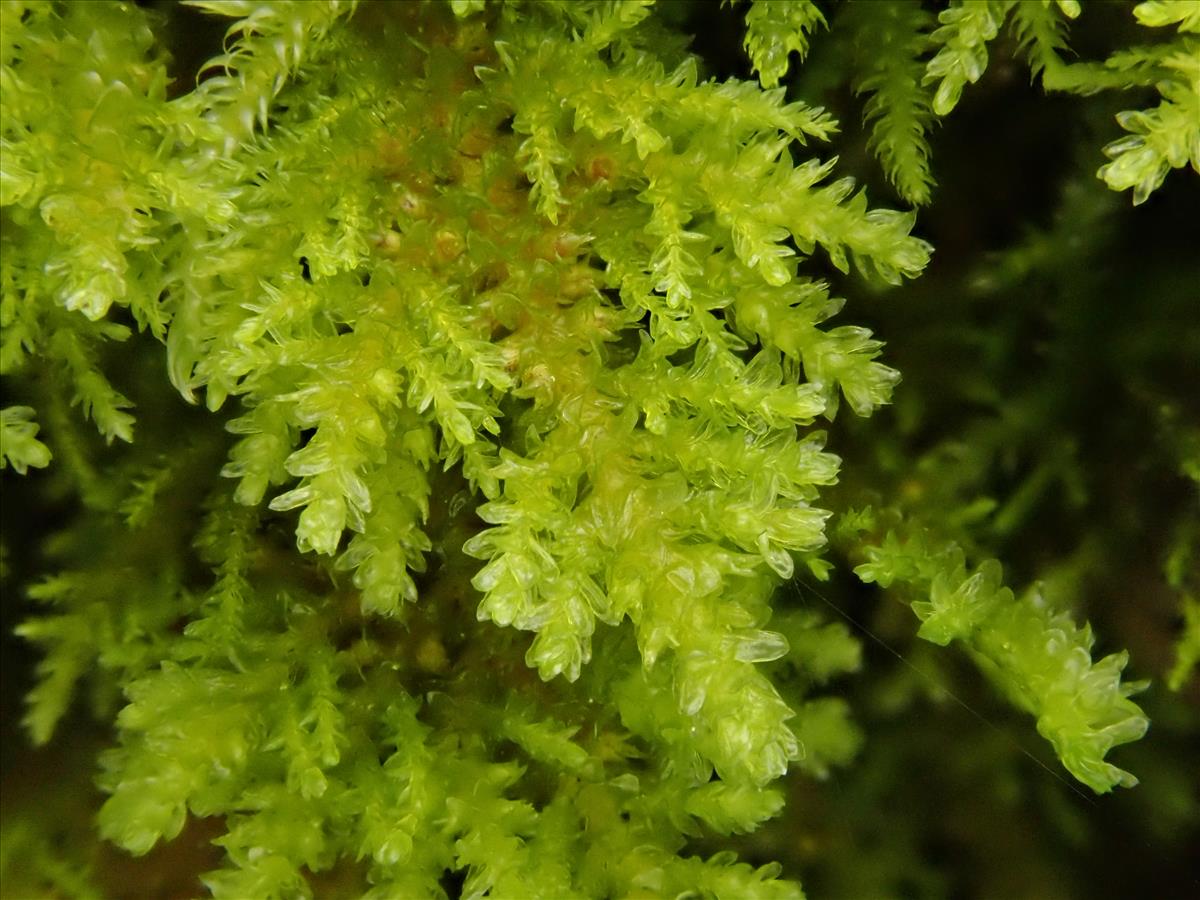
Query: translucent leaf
point(762, 646)
point(19, 446)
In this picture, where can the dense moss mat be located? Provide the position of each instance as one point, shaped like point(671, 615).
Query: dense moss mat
point(451, 449)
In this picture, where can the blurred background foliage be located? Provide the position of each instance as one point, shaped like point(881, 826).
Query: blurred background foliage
point(1049, 416)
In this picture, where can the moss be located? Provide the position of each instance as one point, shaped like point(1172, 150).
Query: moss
point(482, 454)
